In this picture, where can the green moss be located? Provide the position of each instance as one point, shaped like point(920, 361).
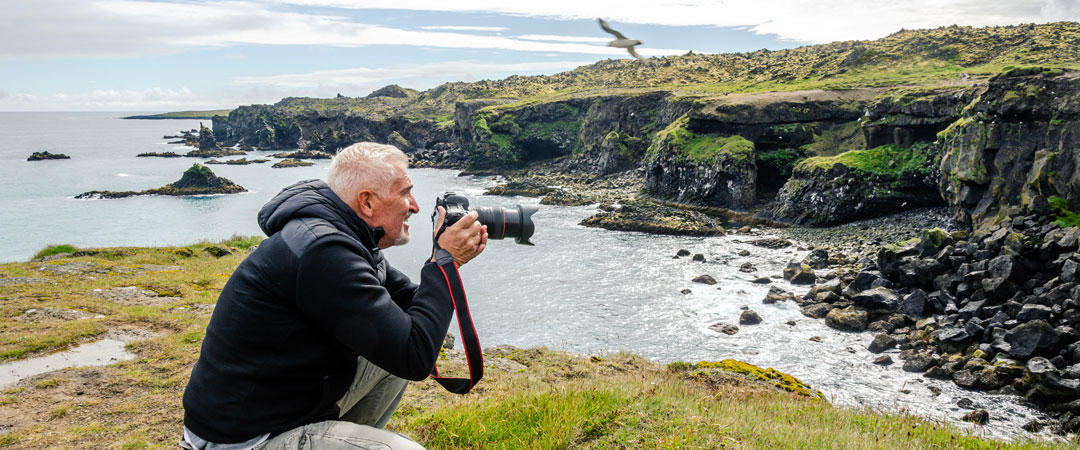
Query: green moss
point(507, 125)
point(900, 246)
point(781, 160)
point(888, 160)
point(1010, 95)
point(1064, 217)
point(702, 148)
point(550, 130)
point(54, 250)
point(935, 236)
point(776, 377)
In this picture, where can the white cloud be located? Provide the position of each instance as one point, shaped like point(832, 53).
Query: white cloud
point(463, 28)
point(401, 74)
point(799, 20)
point(105, 99)
point(556, 38)
point(124, 28)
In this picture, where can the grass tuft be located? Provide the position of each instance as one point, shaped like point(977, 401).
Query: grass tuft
point(55, 250)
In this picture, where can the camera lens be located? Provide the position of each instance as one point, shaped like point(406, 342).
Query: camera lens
point(513, 222)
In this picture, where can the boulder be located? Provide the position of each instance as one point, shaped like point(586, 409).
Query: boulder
point(799, 273)
point(1045, 384)
point(816, 310)
point(881, 343)
point(979, 417)
point(725, 328)
point(817, 259)
point(863, 280)
point(747, 268)
point(918, 362)
point(1028, 339)
point(912, 304)
point(777, 295)
point(883, 360)
point(704, 279)
point(749, 317)
point(847, 319)
point(877, 300)
point(1034, 312)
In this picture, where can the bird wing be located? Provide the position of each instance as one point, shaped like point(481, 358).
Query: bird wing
point(605, 26)
point(634, 53)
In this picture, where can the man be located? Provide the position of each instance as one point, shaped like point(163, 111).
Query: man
point(314, 335)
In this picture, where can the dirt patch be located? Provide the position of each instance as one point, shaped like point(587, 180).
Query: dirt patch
point(200, 308)
point(159, 268)
point(131, 334)
point(11, 281)
point(49, 396)
point(132, 295)
point(68, 268)
point(39, 315)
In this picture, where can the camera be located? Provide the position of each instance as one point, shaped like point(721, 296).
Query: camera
point(501, 222)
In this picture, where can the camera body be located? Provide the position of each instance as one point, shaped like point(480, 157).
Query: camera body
point(457, 206)
point(502, 222)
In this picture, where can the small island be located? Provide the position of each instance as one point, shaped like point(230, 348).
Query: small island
point(41, 156)
point(291, 163)
point(198, 180)
point(159, 155)
point(303, 154)
point(237, 162)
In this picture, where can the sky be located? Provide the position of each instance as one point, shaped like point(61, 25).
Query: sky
point(173, 55)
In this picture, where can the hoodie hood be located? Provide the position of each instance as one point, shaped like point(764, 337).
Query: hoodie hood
point(314, 199)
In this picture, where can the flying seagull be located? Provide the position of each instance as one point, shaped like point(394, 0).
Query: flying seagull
point(621, 41)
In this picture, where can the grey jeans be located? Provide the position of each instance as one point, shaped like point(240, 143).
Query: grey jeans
point(365, 409)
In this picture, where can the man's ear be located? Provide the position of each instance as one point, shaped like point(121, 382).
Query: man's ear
point(365, 203)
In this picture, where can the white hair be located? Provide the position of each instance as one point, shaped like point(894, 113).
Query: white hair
point(364, 165)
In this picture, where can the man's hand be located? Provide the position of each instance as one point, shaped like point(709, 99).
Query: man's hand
point(464, 239)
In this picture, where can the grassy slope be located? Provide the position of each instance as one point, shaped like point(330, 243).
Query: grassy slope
point(185, 115)
point(906, 59)
point(558, 401)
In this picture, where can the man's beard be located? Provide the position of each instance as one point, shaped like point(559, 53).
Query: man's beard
point(403, 237)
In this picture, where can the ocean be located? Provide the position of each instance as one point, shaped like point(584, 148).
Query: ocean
point(579, 289)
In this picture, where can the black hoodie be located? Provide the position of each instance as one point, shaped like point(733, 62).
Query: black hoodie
point(281, 346)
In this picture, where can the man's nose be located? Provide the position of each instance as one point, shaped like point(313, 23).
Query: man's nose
point(414, 207)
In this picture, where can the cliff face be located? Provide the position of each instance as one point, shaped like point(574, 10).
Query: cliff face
point(765, 132)
point(290, 127)
point(1014, 148)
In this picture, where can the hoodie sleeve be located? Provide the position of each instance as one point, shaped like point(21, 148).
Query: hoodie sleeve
point(401, 288)
point(338, 289)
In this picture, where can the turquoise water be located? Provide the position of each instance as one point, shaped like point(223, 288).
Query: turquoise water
point(579, 289)
point(38, 206)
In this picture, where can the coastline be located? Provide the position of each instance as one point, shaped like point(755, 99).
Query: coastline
point(605, 398)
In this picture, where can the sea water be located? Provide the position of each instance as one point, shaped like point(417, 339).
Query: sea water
point(579, 289)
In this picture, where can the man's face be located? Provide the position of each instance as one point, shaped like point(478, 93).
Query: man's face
point(393, 209)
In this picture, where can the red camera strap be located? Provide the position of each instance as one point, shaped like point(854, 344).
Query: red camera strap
point(473, 354)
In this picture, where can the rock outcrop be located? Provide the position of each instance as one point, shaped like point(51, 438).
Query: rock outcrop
point(197, 180)
point(41, 156)
point(1014, 147)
